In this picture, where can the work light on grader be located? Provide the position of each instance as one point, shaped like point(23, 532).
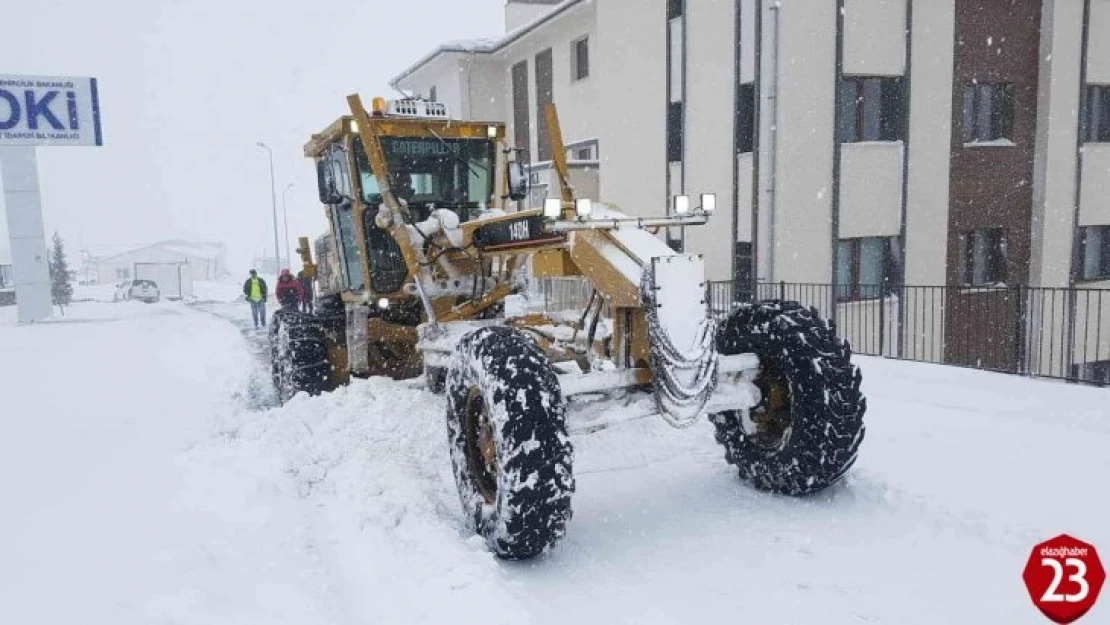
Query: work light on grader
point(426, 268)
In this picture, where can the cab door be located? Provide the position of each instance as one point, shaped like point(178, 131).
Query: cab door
point(338, 193)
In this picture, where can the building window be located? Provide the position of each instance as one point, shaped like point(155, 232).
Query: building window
point(1098, 113)
point(868, 267)
point(871, 109)
point(675, 62)
point(676, 87)
point(1097, 371)
point(1094, 249)
point(544, 95)
point(580, 58)
point(674, 132)
point(983, 257)
point(745, 118)
point(432, 94)
point(521, 131)
point(988, 113)
point(537, 195)
point(583, 152)
point(742, 278)
point(123, 273)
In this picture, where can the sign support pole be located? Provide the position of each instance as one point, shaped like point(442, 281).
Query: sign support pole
point(30, 269)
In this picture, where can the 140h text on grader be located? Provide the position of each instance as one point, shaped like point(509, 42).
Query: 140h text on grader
point(425, 270)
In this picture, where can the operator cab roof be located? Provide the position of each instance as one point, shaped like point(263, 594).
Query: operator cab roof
point(409, 117)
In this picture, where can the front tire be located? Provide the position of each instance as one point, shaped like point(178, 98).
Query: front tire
point(298, 355)
point(509, 445)
point(806, 431)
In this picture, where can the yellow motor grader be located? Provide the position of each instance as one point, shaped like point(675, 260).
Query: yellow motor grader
point(425, 270)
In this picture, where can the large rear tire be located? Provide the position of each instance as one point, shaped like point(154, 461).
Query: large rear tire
point(298, 355)
point(806, 431)
point(509, 445)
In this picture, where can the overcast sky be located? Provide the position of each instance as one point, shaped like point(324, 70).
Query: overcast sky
point(188, 87)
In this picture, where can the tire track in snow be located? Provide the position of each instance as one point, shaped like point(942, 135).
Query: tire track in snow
point(259, 393)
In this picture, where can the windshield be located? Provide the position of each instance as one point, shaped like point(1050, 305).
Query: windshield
point(452, 173)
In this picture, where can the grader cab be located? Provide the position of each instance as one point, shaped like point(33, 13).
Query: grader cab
point(425, 270)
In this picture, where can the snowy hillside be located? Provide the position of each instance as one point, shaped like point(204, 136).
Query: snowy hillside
point(149, 479)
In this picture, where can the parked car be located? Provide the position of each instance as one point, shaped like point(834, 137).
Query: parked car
point(144, 291)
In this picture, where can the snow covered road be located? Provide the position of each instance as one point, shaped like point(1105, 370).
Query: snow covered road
point(147, 481)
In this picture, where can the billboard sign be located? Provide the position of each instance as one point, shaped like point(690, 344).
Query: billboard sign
point(49, 111)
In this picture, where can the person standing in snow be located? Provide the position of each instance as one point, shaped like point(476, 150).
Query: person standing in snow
point(254, 289)
point(289, 291)
point(306, 292)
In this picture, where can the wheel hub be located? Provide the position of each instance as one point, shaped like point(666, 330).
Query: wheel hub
point(771, 417)
point(481, 445)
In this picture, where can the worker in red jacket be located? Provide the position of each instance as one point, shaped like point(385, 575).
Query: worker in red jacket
point(289, 291)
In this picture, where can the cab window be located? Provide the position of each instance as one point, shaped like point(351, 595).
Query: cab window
point(426, 171)
point(337, 171)
point(349, 255)
point(387, 264)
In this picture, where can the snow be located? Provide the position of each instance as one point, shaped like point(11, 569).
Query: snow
point(226, 291)
point(148, 478)
point(94, 292)
point(627, 266)
point(640, 243)
point(993, 143)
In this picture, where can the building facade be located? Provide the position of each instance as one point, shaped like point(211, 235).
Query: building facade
point(857, 144)
point(204, 261)
point(7, 281)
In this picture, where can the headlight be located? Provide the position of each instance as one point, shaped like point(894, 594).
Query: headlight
point(681, 204)
point(383, 303)
point(582, 207)
point(552, 208)
point(709, 202)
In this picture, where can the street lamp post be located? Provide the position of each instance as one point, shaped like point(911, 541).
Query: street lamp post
point(285, 216)
point(273, 201)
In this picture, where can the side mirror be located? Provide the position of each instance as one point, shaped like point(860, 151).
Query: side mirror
point(518, 181)
point(325, 183)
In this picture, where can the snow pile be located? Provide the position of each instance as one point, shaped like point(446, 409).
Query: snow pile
point(224, 291)
point(94, 292)
point(145, 481)
point(95, 311)
point(370, 461)
point(96, 409)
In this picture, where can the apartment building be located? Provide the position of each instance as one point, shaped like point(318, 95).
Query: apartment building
point(860, 144)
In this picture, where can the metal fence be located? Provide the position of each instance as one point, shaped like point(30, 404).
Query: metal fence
point(1047, 332)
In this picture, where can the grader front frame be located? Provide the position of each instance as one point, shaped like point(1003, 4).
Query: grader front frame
point(433, 268)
